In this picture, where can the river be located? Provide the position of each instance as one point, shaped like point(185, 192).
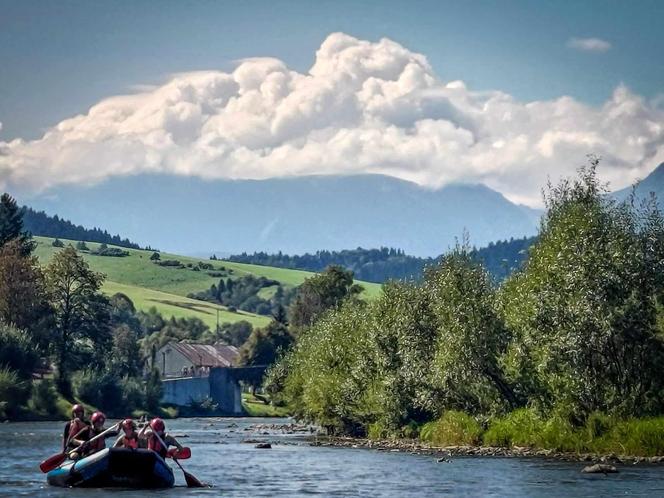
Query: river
point(294, 468)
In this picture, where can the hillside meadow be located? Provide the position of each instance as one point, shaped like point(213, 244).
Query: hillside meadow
point(166, 288)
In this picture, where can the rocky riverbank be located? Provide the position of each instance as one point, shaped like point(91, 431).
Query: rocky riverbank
point(444, 454)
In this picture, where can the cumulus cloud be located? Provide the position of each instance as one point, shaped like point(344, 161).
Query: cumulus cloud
point(589, 44)
point(363, 107)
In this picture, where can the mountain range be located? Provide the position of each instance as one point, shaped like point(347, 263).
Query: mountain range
point(294, 215)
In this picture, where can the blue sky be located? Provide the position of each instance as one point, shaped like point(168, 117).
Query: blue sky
point(59, 59)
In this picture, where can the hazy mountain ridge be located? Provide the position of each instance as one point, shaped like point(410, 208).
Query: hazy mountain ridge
point(293, 215)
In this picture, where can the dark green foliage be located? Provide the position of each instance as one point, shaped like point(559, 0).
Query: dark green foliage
point(81, 313)
point(39, 223)
point(43, 398)
point(82, 246)
point(169, 263)
point(153, 390)
point(11, 225)
point(380, 265)
point(265, 345)
point(17, 351)
point(57, 243)
point(110, 251)
point(242, 293)
point(155, 256)
point(14, 392)
point(235, 334)
point(321, 292)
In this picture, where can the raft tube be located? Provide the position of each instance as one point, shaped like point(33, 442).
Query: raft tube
point(114, 468)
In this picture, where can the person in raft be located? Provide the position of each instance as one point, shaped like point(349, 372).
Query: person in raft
point(74, 427)
point(157, 426)
point(129, 438)
point(83, 445)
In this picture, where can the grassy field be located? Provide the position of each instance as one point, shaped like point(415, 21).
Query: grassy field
point(166, 288)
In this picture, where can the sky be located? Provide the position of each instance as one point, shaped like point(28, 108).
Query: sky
point(504, 93)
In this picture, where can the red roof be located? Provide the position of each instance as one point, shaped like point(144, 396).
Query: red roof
point(205, 355)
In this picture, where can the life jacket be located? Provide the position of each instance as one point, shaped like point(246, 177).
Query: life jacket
point(130, 441)
point(156, 446)
point(96, 445)
point(75, 426)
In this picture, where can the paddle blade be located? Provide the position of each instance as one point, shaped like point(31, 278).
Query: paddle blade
point(52, 462)
point(192, 481)
point(182, 454)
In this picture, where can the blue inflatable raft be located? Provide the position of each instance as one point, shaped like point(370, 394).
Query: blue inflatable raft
point(114, 467)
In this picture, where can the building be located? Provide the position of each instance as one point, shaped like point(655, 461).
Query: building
point(182, 359)
point(194, 372)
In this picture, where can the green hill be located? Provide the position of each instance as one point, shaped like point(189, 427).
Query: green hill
point(147, 284)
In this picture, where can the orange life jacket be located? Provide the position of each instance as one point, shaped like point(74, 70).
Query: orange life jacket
point(155, 445)
point(130, 441)
point(75, 426)
point(97, 444)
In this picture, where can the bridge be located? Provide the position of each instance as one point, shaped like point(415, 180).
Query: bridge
point(222, 385)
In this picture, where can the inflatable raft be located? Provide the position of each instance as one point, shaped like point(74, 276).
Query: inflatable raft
point(114, 467)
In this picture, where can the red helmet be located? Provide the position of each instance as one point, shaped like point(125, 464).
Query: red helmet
point(98, 417)
point(157, 425)
point(77, 409)
point(128, 424)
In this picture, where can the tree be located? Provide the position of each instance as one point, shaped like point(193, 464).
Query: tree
point(23, 300)
point(265, 345)
point(80, 310)
point(125, 357)
point(471, 336)
point(321, 292)
point(11, 225)
point(57, 243)
point(583, 311)
point(82, 246)
point(155, 256)
point(153, 391)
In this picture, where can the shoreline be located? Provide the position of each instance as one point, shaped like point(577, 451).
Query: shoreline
point(417, 447)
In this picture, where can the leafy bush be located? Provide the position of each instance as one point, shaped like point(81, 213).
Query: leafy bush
point(111, 252)
point(100, 389)
point(14, 392)
point(519, 428)
point(452, 429)
point(133, 394)
point(81, 246)
point(170, 263)
point(153, 390)
point(17, 351)
point(57, 243)
point(44, 397)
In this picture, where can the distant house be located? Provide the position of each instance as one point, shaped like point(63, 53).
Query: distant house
point(182, 359)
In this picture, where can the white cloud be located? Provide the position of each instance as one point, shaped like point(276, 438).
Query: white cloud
point(589, 44)
point(362, 108)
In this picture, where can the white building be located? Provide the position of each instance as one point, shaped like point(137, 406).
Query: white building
point(182, 359)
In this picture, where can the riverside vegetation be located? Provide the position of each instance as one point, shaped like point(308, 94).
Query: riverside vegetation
point(566, 354)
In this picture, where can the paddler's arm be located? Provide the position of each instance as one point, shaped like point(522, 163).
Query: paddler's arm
point(171, 441)
point(118, 442)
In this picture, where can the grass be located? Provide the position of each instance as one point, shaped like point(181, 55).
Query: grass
point(256, 408)
point(452, 429)
point(601, 434)
point(181, 307)
point(166, 288)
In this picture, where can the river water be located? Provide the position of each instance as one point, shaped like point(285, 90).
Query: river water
point(294, 468)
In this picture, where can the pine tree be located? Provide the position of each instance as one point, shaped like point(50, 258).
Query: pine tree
point(11, 225)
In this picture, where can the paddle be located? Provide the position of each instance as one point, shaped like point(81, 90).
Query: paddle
point(182, 454)
point(54, 461)
point(191, 480)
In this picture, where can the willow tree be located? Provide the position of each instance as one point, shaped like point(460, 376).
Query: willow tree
point(583, 310)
